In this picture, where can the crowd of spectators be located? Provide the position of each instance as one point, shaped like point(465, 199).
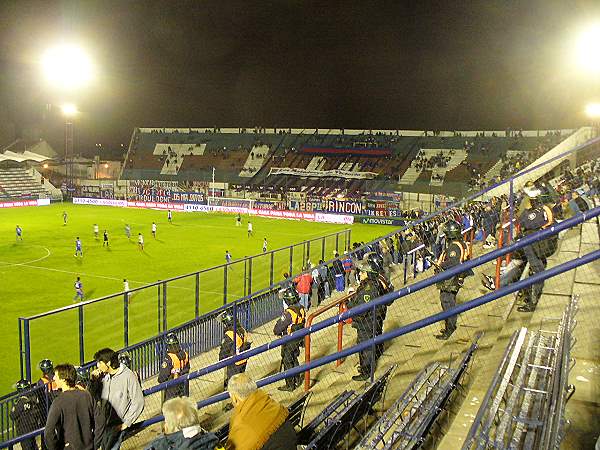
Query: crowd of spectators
point(439, 160)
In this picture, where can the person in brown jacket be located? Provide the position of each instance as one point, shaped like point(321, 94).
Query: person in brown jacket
point(258, 421)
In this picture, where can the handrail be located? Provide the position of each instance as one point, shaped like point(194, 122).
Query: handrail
point(340, 303)
point(385, 299)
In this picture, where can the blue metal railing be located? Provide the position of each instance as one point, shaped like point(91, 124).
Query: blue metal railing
point(448, 274)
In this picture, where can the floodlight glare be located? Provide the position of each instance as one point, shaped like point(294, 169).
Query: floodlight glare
point(588, 49)
point(67, 67)
point(593, 110)
point(69, 109)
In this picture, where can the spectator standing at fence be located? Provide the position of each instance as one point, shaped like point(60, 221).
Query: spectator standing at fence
point(316, 286)
point(338, 273)
point(324, 287)
point(348, 266)
point(455, 253)
point(70, 423)
point(175, 365)
point(292, 319)
point(182, 428)
point(27, 414)
point(120, 387)
point(303, 284)
point(258, 421)
point(235, 341)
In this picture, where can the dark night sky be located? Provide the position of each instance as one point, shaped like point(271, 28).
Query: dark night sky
point(353, 64)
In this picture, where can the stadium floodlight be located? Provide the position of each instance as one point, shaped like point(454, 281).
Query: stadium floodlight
point(592, 110)
point(588, 49)
point(69, 109)
point(67, 67)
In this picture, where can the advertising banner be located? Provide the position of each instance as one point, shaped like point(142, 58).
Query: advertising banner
point(99, 202)
point(334, 218)
point(20, 203)
point(380, 221)
point(156, 205)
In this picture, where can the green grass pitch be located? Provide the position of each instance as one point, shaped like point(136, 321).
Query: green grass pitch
point(38, 273)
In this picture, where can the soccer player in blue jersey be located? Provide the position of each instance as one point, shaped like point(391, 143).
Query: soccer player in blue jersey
point(127, 231)
point(19, 232)
point(78, 248)
point(78, 290)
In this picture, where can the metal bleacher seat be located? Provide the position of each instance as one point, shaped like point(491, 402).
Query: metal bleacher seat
point(331, 426)
point(406, 424)
point(524, 405)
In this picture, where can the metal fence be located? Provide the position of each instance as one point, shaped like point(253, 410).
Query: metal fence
point(265, 359)
point(118, 320)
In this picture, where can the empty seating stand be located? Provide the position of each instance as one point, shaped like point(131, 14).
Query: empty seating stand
point(524, 405)
point(342, 414)
point(406, 424)
point(19, 183)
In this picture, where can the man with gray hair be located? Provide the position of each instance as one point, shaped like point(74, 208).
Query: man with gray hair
point(182, 428)
point(257, 421)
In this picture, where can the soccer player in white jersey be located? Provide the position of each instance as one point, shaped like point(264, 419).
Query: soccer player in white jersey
point(154, 230)
point(140, 241)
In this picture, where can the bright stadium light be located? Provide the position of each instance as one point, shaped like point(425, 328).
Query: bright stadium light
point(588, 49)
point(67, 67)
point(592, 110)
point(69, 109)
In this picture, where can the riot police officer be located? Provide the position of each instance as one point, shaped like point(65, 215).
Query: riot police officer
point(535, 217)
point(27, 414)
point(233, 342)
point(125, 359)
point(47, 378)
point(292, 319)
point(370, 323)
point(175, 364)
point(455, 253)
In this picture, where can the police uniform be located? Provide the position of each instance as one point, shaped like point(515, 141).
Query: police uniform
point(27, 416)
point(230, 348)
point(455, 253)
point(532, 219)
point(292, 319)
point(367, 326)
point(174, 365)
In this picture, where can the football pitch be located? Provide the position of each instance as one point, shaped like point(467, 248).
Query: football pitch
point(38, 273)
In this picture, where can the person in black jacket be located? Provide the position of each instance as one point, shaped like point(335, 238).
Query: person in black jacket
point(291, 320)
point(27, 414)
point(70, 423)
point(175, 364)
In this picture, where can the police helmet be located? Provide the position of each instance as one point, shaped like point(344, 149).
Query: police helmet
point(373, 262)
point(22, 385)
point(46, 366)
point(226, 318)
point(452, 230)
point(289, 298)
point(125, 359)
point(172, 339)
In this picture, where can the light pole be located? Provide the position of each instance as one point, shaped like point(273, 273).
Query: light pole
point(69, 111)
point(213, 183)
